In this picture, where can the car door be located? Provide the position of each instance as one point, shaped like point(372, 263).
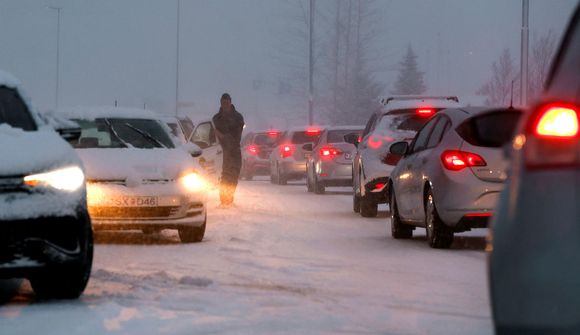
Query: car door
point(411, 178)
point(211, 158)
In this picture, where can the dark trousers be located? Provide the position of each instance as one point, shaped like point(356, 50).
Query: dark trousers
point(232, 164)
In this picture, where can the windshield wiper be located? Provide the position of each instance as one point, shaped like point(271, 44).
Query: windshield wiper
point(146, 135)
point(114, 132)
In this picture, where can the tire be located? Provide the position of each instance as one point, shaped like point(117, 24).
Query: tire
point(192, 234)
point(399, 230)
point(356, 203)
point(318, 187)
point(368, 208)
point(439, 235)
point(70, 281)
point(309, 186)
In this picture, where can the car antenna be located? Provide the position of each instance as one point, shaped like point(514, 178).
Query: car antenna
point(512, 97)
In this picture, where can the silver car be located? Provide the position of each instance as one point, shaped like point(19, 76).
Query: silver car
point(449, 178)
point(399, 119)
point(331, 161)
point(288, 157)
point(534, 270)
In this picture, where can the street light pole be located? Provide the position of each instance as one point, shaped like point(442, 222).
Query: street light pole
point(58, 9)
point(524, 53)
point(177, 60)
point(311, 64)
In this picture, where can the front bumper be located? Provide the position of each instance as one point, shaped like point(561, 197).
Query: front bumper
point(29, 245)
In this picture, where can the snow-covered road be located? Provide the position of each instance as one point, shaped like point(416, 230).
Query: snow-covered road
point(283, 261)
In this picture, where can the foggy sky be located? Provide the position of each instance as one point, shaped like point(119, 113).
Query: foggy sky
point(125, 49)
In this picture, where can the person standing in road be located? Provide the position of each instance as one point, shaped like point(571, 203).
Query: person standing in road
point(229, 125)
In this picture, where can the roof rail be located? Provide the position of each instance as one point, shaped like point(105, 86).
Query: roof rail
point(386, 100)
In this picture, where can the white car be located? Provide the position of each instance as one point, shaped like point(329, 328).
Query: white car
point(136, 176)
point(212, 157)
point(45, 230)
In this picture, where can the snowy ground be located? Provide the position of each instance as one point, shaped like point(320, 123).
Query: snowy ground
point(283, 262)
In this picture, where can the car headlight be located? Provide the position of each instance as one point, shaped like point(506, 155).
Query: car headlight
point(193, 182)
point(65, 179)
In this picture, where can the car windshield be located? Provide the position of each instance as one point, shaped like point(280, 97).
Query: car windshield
point(122, 133)
point(13, 111)
point(337, 136)
point(264, 139)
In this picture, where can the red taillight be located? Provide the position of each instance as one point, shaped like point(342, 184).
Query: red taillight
point(253, 150)
point(456, 160)
point(425, 111)
point(552, 136)
point(329, 152)
point(313, 132)
point(286, 151)
point(478, 215)
point(273, 133)
point(379, 186)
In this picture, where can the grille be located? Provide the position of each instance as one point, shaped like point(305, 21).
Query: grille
point(133, 212)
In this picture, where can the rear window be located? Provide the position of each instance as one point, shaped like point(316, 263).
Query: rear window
point(13, 111)
point(301, 137)
point(492, 130)
point(264, 139)
point(403, 120)
point(337, 136)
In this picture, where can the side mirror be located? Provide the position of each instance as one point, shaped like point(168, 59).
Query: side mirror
point(307, 147)
point(396, 152)
point(352, 138)
point(192, 149)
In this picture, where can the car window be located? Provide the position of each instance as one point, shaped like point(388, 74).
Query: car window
point(492, 130)
point(122, 133)
point(187, 127)
point(420, 141)
point(13, 111)
point(438, 131)
point(301, 137)
point(370, 124)
point(264, 139)
point(564, 80)
point(202, 135)
point(337, 136)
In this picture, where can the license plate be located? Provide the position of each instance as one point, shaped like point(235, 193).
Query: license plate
point(307, 155)
point(130, 202)
point(348, 155)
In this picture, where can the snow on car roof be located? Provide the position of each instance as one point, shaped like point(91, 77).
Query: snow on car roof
point(361, 127)
point(91, 113)
point(8, 80)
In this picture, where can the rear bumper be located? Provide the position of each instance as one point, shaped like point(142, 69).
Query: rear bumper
point(378, 195)
point(334, 174)
point(257, 165)
point(27, 246)
point(293, 169)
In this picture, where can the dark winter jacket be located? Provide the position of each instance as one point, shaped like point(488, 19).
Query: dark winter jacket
point(229, 126)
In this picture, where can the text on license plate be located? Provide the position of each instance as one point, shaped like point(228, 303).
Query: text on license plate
point(132, 202)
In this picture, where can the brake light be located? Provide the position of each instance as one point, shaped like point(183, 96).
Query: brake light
point(425, 111)
point(286, 151)
point(329, 152)
point(379, 186)
point(273, 133)
point(552, 136)
point(478, 215)
point(456, 160)
point(253, 150)
point(313, 132)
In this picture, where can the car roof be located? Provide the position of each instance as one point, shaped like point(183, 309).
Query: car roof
point(359, 127)
point(413, 101)
point(91, 113)
point(460, 114)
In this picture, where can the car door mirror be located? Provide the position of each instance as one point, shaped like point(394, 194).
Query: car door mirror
point(193, 149)
point(352, 138)
point(307, 147)
point(396, 152)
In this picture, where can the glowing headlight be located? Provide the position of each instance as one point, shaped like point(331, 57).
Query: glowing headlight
point(192, 182)
point(65, 179)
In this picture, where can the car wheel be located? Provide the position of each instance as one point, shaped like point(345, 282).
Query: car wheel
point(192, 234)
point(438, 234)
point(399, 230)
point(368, 207)
point(68, 282)
point(318, 186)
point(309, 186)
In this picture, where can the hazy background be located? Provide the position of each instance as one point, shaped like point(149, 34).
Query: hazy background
point(124, 50)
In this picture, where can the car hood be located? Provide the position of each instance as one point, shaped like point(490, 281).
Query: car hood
point(25, 152)
point(139, 164)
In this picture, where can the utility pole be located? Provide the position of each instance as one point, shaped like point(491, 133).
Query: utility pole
point(311, 64)
point(58, 9)
point(524, 53)
point(177, 61)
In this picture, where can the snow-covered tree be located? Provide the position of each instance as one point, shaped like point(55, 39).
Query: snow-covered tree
point(410, 79)
point(498, 89)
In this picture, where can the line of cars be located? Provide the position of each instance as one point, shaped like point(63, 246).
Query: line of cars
point(121, 169)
